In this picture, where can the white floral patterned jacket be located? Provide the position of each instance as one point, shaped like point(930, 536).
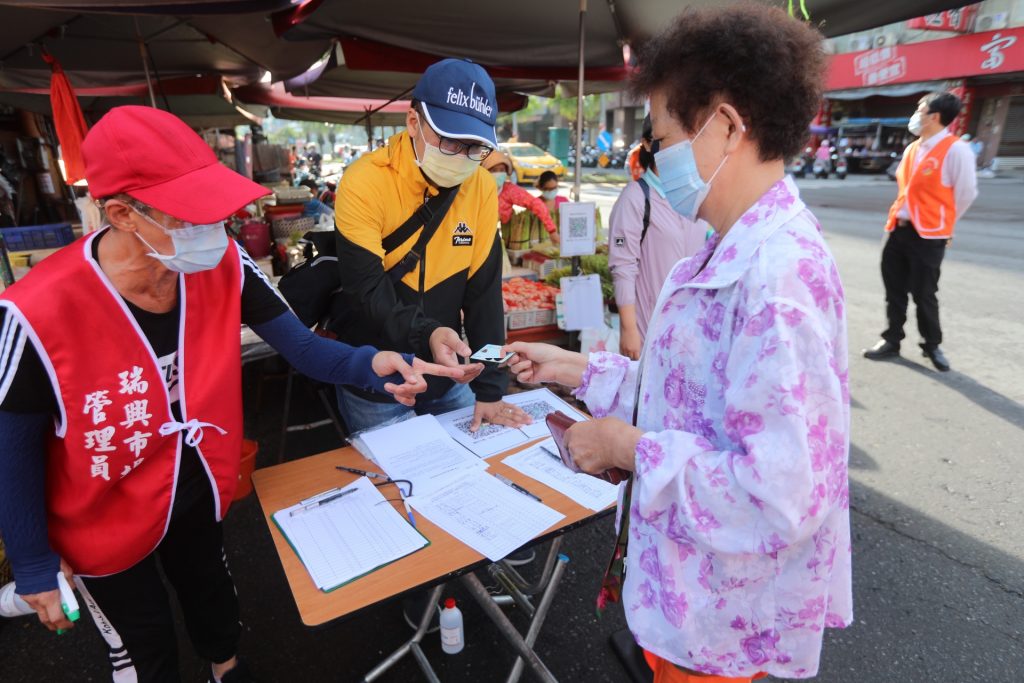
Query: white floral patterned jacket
point(739, 530)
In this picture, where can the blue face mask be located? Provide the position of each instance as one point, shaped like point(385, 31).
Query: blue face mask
point(684, 189)
point(549, 194)
point(654, 182)
point(500, 178)
point(196, 247)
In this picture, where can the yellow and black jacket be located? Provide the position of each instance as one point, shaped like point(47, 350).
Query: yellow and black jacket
point(461, 266)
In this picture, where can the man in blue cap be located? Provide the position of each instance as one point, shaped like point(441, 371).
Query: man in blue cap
point(419, 255)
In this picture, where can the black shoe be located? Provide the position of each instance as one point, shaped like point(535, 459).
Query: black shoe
point(413, 608)
point(521, 557)
point(937, 358)
point(239, 674)
point(882, 350)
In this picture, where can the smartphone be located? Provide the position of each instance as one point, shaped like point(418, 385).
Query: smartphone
point(491, 353)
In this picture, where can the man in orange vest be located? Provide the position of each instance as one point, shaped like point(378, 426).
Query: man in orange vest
point(937, 184)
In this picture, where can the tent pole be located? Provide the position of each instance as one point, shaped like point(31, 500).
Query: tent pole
point(145, 64)
point(579, 107)
point(369, 130)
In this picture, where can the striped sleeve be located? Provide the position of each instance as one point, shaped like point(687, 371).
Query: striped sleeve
point(12, 346)
point(25, 385)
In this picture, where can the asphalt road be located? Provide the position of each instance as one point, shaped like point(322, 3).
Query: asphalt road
point(935, 482)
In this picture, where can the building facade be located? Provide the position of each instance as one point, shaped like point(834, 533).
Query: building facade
point(976, 51)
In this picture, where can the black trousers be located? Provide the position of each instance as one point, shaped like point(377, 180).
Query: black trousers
point(132, 608)
point(910, 265)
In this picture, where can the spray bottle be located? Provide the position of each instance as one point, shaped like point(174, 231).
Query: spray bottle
point(11, 604)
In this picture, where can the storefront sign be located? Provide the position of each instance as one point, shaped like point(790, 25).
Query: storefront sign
point(958, 20)
point(975, 54)
point(966, 95)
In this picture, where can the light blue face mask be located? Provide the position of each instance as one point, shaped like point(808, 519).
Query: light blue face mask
point(654, 182)
point(196, 247)
point(684, 189)
point(549, 195)
point(500, 177)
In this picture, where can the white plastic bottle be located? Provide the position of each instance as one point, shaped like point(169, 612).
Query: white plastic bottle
point(11, 604)
point(452, 635)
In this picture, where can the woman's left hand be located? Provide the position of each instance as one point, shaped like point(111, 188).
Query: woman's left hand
point(389, 362)
point(600, 444)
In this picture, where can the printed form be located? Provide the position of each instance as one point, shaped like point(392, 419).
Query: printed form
point(492, 439)
point(342, 539)
point(421, 451)
point(542, 462)
point(490, 517)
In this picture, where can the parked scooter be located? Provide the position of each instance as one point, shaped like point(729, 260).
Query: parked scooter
point(840, 166)
point(822, 167)
point(799, 165)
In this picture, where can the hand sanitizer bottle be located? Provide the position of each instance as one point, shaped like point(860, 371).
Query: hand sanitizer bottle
point(452, 636)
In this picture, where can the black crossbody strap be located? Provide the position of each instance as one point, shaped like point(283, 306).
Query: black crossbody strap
point(419, 217)
point(434, 216)
point(647, 209)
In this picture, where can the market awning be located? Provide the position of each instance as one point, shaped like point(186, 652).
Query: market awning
point(527, 53)
point(199, 111)
point(334, 78)
point(542, 33)
point(327, 109)
point(104, 49)
point(886, 91)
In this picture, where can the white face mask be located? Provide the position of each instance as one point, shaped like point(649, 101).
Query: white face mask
point(443, 169)
point(196, 247)
point(916, 124)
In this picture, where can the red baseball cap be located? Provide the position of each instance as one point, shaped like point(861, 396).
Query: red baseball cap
point(153, 156)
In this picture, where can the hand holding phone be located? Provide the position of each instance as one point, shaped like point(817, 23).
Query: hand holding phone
point(491, 353)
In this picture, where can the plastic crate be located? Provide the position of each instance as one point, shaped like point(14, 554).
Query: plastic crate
point(546, 267)
point(539, 317)
point(284, 228)
point(51, 236)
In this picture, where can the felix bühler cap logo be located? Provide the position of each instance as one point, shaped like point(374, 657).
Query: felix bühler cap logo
point(470, 101)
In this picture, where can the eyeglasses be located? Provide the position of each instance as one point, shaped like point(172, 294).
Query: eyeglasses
point(452, 147)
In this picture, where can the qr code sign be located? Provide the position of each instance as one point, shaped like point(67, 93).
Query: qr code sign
point(578, 227)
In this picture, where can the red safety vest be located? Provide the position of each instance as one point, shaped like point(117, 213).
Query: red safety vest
point(113, 459)
point(932, 205)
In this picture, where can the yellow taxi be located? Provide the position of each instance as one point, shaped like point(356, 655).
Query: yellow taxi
point(529, 161)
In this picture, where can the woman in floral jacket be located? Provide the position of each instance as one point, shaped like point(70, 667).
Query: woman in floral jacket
point(735, 526)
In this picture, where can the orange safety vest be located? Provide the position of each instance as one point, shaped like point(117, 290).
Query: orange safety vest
point(112, 464)
point(932, 205)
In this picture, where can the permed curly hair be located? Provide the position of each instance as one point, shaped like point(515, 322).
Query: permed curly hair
point(765, 63)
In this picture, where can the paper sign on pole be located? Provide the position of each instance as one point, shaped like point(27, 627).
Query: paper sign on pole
point(577, 231)
point(581, 297)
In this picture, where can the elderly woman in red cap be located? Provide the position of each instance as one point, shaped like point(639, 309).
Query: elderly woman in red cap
point(121, 398)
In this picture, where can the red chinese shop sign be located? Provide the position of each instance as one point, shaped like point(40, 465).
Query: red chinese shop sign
point(976, 54)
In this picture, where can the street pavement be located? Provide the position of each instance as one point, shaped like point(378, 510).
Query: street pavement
point(936, 462)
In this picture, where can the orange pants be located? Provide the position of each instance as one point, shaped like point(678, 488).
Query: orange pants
point(667, 672)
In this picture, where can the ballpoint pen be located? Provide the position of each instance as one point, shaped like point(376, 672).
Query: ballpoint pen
point(553, 454)
point(322, 501)
point(408, 513)
point(508, 482)
point(362, 473)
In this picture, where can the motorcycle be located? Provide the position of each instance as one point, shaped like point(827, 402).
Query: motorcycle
point(840, 165)
point(821, 167)
point(798, 165)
